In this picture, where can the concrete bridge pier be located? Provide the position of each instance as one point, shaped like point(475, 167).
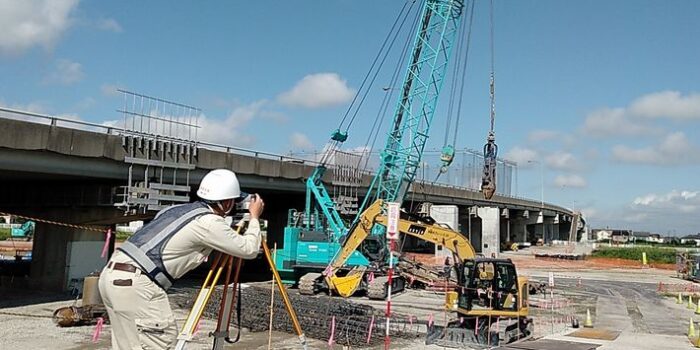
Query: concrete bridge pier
point(505, 226)
point(61, 254)
point(490, 230)
point(471, 226)
point(523, 222)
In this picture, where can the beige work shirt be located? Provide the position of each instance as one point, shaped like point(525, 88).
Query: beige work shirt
point(190, 246)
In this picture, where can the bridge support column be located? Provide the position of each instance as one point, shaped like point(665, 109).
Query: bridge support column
point(521, 230)
point(505, 234)
point(490, 230)
point(549, 229)
point(61, 253)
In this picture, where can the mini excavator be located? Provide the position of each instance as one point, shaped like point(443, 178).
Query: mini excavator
point(490, 300)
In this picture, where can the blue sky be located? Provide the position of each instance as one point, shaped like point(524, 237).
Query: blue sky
point(604, 94)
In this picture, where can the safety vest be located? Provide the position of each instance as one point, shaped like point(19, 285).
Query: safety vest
point(145, 247)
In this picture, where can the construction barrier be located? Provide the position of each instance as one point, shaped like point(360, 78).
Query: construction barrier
point(675, 288)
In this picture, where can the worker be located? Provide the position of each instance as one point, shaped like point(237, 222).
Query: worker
point(133, 285)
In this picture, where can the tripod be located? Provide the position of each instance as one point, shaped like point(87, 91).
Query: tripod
point(228, 299)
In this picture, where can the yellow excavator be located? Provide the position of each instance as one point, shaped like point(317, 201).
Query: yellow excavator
point(490, 300)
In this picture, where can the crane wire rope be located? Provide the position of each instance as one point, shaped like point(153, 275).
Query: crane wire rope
point(376, 73)
point(464, 70)
point(493, 74)
point(374, 62)
point(459, 77)
point(382, 113)
point(488, 182)
point(332, 145)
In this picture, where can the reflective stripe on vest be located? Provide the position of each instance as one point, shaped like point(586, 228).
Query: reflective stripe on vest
point(145, 247)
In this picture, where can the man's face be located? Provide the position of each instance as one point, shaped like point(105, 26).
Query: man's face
point(228, 206)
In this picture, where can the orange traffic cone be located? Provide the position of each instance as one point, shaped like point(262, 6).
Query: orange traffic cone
point(589, 322)
point(691, 329)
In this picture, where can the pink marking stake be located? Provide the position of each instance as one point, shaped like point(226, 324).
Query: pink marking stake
point(98, 329)
point(331, 338)
point(105, 247)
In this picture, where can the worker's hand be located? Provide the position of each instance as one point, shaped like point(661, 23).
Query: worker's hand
point(256, 206)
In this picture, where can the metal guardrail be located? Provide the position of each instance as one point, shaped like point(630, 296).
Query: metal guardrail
point(112, 130)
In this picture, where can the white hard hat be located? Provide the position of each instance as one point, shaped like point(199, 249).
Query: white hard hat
point(219, 184)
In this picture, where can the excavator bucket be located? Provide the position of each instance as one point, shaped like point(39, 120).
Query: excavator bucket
point(347, 285)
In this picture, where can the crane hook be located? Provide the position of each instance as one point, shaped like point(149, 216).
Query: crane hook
point(488, 180)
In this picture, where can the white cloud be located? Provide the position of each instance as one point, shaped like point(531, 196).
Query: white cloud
point(607, 122)
point(679, 207)
point(667, 104)
point(673, 211)
point(110, 25)
point(110, 89)
point(86, 103)
point(317, 91)
point(299, 141)
point(674, 149)
point(230, 131)
point(589, 213)
point(521, 155)
point(562, 161)
point(274, 116)
point(29, 23)
point(65, 72)
point(570, 181)
point(543, 135)
point(673, 198)
point(35, 107)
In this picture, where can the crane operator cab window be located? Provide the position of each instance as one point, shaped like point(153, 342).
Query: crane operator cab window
point(489, 285)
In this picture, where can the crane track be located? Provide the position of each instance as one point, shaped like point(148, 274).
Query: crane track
point(307, 283)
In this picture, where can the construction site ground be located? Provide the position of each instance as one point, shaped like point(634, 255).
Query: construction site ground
point(626, 310)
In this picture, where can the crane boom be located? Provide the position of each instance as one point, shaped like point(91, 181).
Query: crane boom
point(417, 102)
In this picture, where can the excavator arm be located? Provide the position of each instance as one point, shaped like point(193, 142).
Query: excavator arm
point(374, 214)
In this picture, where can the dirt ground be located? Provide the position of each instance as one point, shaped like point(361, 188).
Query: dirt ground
point(588, 263)
point(621, 297)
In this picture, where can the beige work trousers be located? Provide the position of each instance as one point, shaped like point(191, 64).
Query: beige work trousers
point(139, 314)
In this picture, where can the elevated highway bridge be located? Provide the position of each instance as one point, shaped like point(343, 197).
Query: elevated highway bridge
point(73, 172)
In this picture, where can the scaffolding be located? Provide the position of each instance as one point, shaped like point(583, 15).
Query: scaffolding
point(160, 141)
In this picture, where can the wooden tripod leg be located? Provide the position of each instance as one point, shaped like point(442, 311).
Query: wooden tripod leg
point(228, 300)
point(285, 296)
point(202, 298)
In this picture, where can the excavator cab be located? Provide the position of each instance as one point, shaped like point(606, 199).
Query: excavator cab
point(491, 301)
point(489, 284)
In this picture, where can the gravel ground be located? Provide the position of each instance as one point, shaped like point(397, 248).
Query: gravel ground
point(623, 300)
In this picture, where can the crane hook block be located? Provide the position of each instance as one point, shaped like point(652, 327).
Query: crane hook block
point(488, 181)
point(447, 156)
point(339, 136)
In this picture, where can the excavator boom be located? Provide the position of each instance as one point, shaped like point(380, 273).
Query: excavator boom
point(373, 215)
